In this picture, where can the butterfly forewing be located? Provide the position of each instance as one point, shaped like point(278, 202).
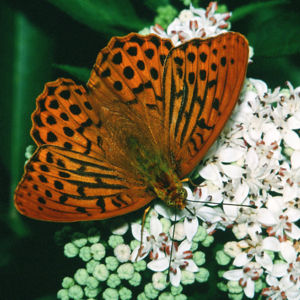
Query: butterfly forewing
point(147, 117)
point(129, 70)
point(201, 84)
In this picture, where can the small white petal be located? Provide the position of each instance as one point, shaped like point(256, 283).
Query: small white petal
point(120, 229)
point(249, 288)
point(271, 243)
point(295, 160)
point(260, 86)
point(280, 269)
point(265, 217)
point(212, 173)
point(293, 214)
point(184, 246)
point(241, 259)
point(288, 252)
point(190, 227)
point(230, 154)
point(136, 230)
point(175, 278)
point(159, 265)
point(265, 261)
point(155, 226)
point(191, 267)
point(233, 171)
point(293, 123)
point(292, 140)
point(179, 233)
point(252, 159)
point(294, 233)
point(233, 274)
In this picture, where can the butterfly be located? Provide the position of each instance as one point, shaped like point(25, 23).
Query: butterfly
point(149, 113)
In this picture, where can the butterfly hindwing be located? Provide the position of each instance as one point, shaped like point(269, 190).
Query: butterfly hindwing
point(201, 84)
point(65, 186)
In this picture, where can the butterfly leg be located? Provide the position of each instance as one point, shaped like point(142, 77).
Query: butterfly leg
point(142, 231)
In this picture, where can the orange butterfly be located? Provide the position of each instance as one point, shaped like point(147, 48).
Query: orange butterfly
point(146, 119)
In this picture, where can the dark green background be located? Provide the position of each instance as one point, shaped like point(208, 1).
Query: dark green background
point(36, 35)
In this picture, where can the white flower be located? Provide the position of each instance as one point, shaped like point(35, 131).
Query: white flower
point(280, 219)
point(193, 23)
point(180, 257)
point(246, 277)
point(153, 242)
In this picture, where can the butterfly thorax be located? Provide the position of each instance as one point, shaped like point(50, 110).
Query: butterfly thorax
point(160, 177)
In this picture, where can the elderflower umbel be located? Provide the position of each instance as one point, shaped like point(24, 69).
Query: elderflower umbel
point(254, 165)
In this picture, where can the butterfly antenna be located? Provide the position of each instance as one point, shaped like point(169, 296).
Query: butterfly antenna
point(224, 203)
point(142, 231)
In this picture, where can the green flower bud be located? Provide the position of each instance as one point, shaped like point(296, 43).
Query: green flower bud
point(113, 281)
point(90, 266)
point(236, 296)
point(194, 246)
point(134, 244)
point(199, 258)
point(100, 272)
point(187, 277)
point(150, 291)
point(176, 290)
point(200, 235)
point(70, 250)
point(81, 276)
point(140, 265)
point(126, 271)
point(76, 292)
point(110, 294)
point(85, 253)
point(67, 282)
point(202, 275)
point(125, 293)
point(222, 286)
point(166, 296)
point(115, 240)
point(208, 241)
point(92, 282)
point(159, 281)
point(79, 239)
point(93, 235)
point(136, 279)
point(180, 297)
point(142, 296)
point(111, 263)
point(63, 294)
point(97, 251)
point(91, 293)
point(166, 14)
point(234, 287)
point(259, 285)
point(222, 258)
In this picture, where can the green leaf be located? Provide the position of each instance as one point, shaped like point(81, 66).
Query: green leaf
point(243, 11)
point(278, 35)
point(80, 73)
point(116, 16)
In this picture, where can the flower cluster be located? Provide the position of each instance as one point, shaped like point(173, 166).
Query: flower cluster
point(118, 267)
point(250, 186)
point(195, 23)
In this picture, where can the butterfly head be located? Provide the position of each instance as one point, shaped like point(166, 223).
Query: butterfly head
point(177, 198)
